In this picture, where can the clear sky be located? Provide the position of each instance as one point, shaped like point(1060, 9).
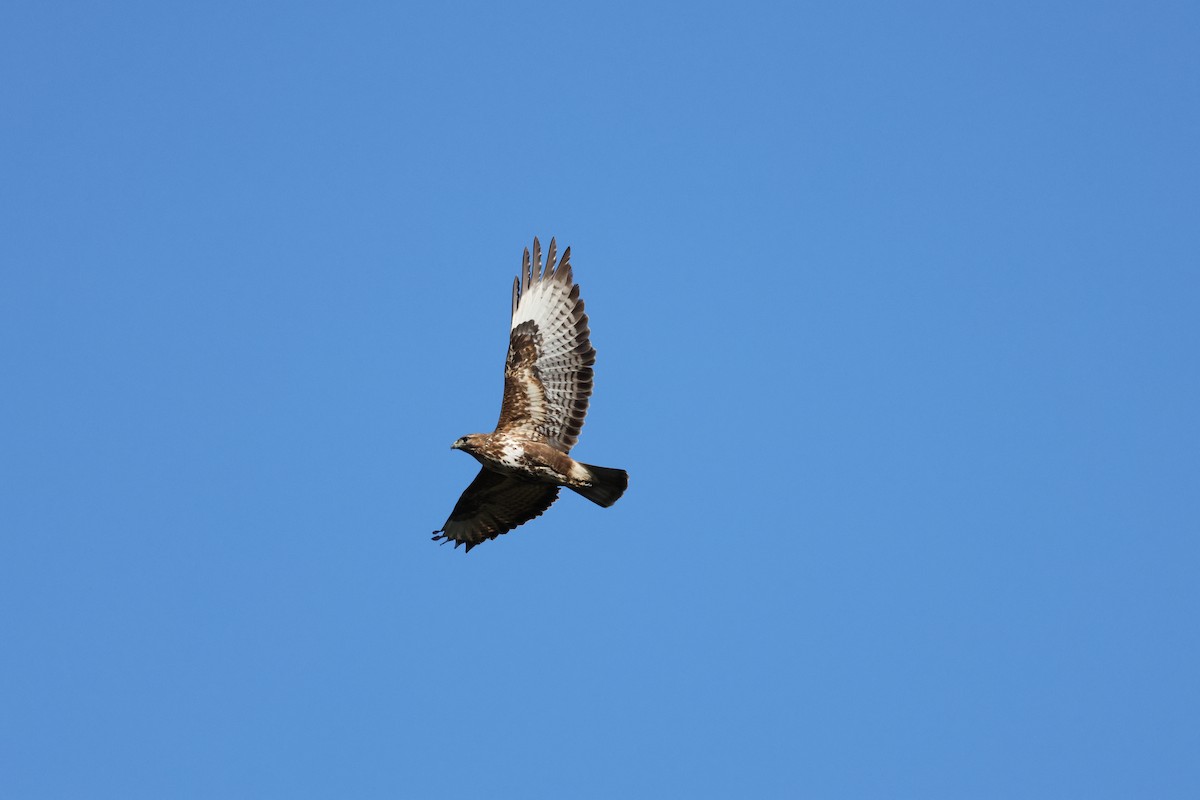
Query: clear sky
point(896, 312)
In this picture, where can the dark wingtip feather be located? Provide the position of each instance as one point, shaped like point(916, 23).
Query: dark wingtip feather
point(550, 263)
point(525, 272)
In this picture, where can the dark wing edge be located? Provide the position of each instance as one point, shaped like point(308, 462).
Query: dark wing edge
point(492, 505)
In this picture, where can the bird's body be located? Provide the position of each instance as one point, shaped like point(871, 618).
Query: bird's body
point(522, 458)
point(547, 383)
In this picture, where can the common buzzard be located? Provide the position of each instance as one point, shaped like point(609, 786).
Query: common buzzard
point(547, 383)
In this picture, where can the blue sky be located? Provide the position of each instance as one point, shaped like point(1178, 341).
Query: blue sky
point(896, 319)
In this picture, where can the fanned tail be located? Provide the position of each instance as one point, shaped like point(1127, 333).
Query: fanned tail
point(607, 485)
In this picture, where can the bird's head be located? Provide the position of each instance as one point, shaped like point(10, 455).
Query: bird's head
point(469, 442)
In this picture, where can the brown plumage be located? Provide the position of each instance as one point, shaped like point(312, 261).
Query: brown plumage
point(547, 383)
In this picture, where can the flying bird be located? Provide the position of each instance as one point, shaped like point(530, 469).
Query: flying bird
point(547, 383)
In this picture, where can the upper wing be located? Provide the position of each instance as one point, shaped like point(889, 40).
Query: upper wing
point(548, 374)
point(494, 504)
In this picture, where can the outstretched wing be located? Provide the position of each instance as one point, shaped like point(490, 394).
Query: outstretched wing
point(548, 374)
point(494, 504)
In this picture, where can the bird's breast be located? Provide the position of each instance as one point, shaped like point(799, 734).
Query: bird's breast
point(530, 460)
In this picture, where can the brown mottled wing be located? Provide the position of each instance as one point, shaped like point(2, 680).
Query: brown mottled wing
point(494, 504)
point(548, 374)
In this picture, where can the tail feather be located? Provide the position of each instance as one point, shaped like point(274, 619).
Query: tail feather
point(607, 485)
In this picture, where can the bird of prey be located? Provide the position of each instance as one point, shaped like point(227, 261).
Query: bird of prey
point(547, 383)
